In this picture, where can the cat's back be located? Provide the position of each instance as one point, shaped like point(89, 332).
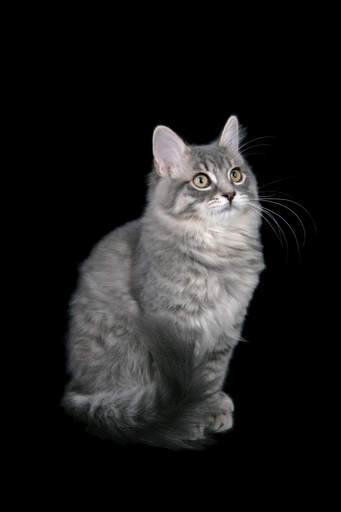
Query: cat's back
point(105, 275)
point(119, 244)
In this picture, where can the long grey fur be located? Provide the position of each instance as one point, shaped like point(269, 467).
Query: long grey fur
point(166, 412)
point(161, 301)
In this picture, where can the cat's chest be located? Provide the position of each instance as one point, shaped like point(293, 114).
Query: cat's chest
point(219, 298)
point(204, 284)
point(212, 300)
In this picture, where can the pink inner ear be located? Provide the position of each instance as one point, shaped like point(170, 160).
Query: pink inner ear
point(168, 153)
point(162, 170)
point(157, 167)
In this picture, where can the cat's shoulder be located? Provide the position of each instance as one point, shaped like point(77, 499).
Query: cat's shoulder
point(120, 242)
point(124, 234)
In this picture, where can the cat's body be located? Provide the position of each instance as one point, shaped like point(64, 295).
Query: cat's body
point(161, 302)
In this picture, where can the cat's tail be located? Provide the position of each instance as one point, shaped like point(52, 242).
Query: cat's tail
point(170, 412)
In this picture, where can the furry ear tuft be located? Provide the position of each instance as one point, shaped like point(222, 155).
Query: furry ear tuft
point(168, 151)
point(230, 136)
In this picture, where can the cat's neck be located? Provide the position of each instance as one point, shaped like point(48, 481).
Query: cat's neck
point(196, 236)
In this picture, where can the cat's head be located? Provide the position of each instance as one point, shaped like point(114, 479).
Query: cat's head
point(207, 182)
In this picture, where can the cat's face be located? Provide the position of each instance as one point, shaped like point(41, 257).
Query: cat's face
point(208, 182)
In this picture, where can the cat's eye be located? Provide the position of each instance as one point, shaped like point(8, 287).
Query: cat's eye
point(201, 181)
point(236, 175)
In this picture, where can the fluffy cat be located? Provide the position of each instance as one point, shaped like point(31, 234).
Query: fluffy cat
point(161, 301)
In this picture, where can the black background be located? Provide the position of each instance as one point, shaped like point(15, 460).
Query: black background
point(96, 100)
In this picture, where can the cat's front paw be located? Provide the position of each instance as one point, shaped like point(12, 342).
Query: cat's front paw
point(222, 419)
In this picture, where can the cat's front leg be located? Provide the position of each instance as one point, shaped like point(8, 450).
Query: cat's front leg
point(217, 362)
point(221, 418)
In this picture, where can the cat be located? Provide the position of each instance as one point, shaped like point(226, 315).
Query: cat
point(161, 300)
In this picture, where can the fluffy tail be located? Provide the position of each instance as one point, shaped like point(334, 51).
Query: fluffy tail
point(170, 412)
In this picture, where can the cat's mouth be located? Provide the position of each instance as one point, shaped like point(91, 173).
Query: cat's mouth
point(222, 206)
point(225, 208)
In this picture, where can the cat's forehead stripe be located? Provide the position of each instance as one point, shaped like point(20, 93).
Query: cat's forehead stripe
point(211, 163)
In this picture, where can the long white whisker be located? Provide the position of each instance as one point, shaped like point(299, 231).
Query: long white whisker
point(292, 211)
point(269, 223)
point(256, 138)
point(278, 192)
point(291, 201)
point(245, 151)
point(246, 148)
point(287, 223)
point(252, 154)
point(276, 181)
point(280, 230)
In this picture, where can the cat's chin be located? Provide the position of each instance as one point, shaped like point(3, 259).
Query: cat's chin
point(226, 211)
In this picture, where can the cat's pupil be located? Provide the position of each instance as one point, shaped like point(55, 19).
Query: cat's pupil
point(201, 179)
point(234, 174)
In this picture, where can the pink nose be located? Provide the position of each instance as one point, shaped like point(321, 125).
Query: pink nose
point(230, 196)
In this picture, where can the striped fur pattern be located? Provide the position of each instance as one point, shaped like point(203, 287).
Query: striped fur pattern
point(161, 301)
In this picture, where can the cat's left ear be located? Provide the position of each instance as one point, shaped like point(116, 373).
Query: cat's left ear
point(230, 136)
point(169, 153)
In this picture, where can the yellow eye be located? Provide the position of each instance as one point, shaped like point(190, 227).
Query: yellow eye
point(201, 181)
point(236, 175)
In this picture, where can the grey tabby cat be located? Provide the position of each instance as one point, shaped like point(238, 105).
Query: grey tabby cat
point(161, 300)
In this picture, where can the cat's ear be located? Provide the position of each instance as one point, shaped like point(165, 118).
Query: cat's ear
point(230, 136)
point(169, 152)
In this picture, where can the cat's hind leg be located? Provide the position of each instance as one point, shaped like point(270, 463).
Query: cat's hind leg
point(222, 419)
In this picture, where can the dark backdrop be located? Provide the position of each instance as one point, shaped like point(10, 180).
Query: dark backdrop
point(97, 110)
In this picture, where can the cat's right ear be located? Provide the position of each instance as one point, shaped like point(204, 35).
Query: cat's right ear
point(169, 151)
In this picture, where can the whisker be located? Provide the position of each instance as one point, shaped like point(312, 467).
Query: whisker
point(276, 181)
point(246, 150)
point(277, 192)
point(289, 226)
point(294, 202)
point(252, 154)
point(292, 211)
point(280, 234)
point(256, 138)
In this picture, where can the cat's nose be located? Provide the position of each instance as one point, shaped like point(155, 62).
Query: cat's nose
point(230, 196)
